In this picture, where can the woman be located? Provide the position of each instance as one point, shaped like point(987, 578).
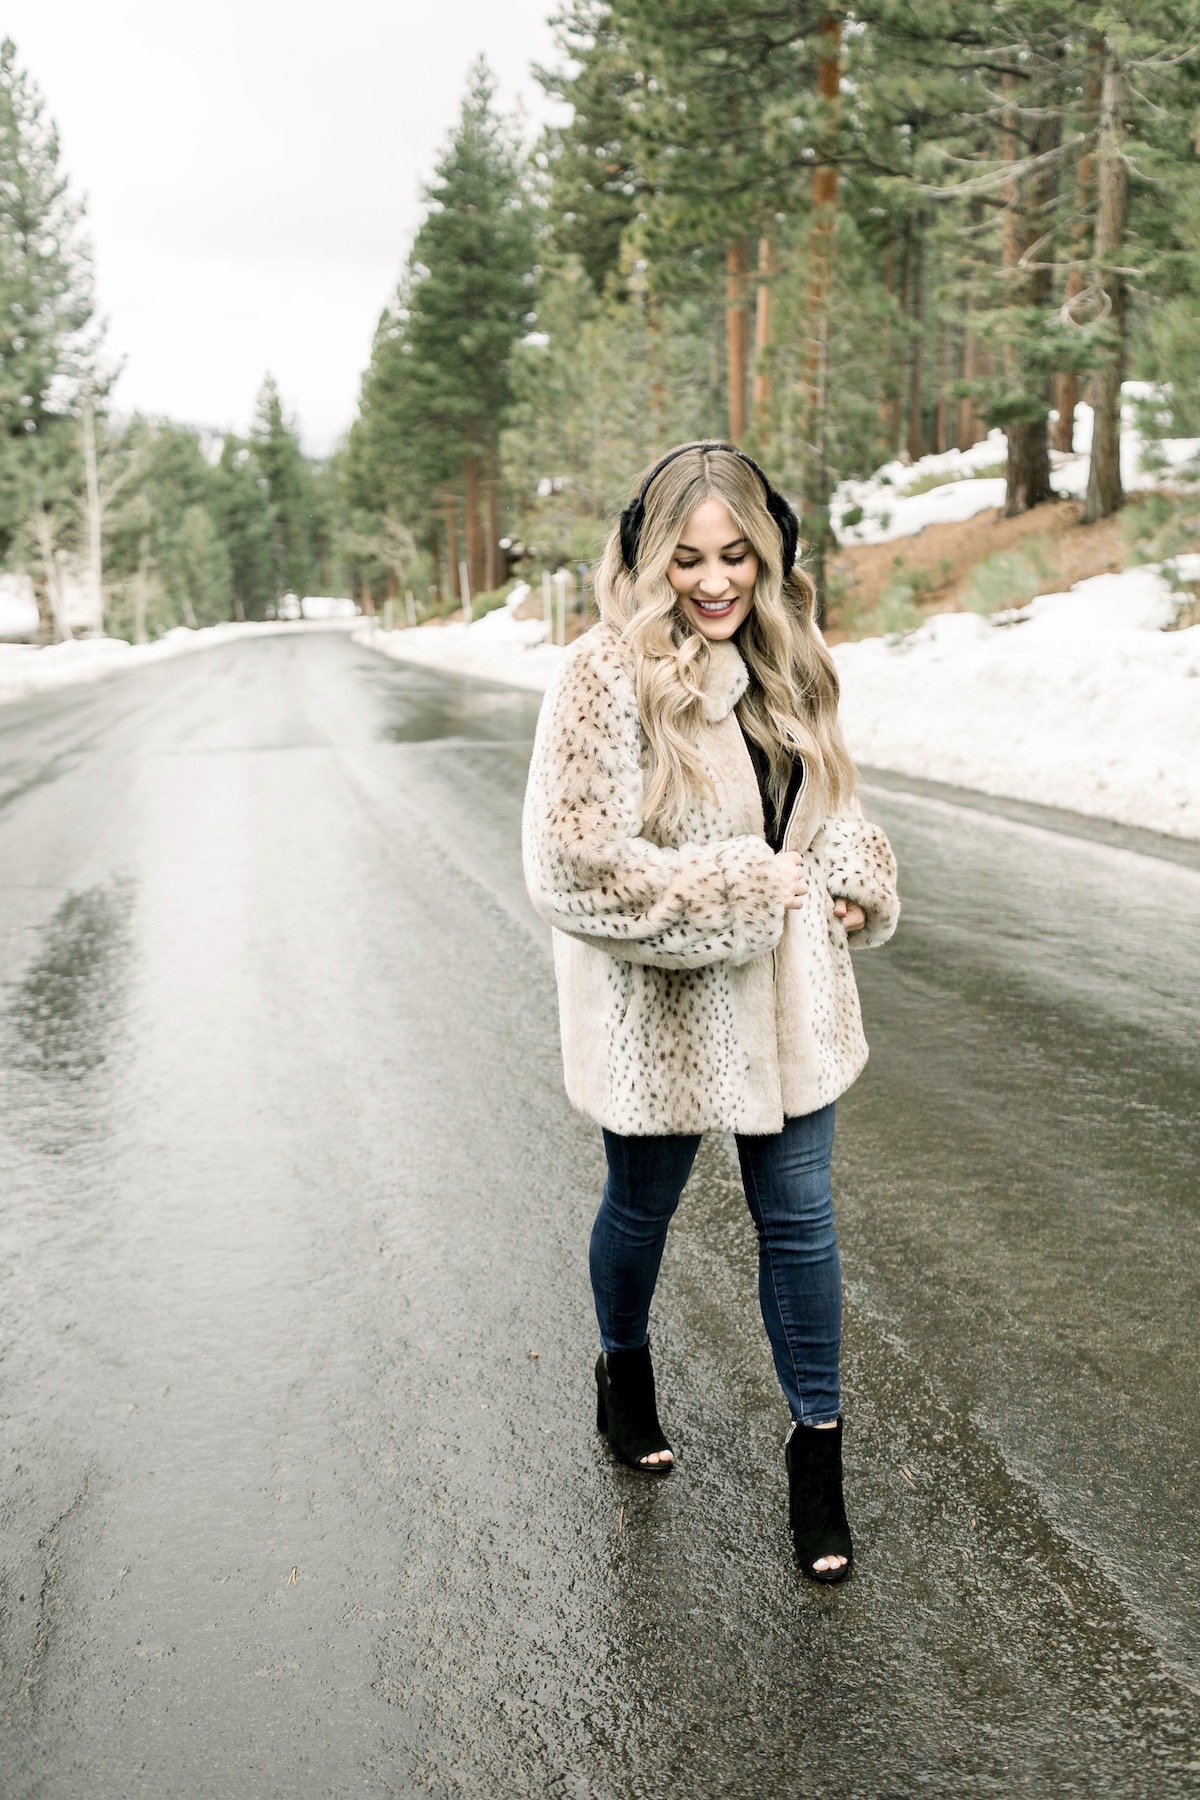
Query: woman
point(692, 835)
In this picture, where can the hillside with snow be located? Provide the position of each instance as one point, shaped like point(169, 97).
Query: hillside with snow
point(1086, 700)
point(902, 498)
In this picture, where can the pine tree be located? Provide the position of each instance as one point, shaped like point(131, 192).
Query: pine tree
point(607, 384)
point(202, 569)
point(289, 483)
point(165, 558)
point(596, 184)
point(717, 121)
point(435, 394)
point(241, 506)
point(47, 358)
point(1145, 198)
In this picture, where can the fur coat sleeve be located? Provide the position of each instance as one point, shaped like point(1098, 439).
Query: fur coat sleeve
point(857, 863)
point(590, 871)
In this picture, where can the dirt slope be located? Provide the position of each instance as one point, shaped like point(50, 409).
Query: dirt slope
point(940, 559)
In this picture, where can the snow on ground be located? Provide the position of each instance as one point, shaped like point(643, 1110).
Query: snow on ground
point(890, 511)
point(18, 607)
point(1081, 700)
point(497, 647)
point(30, 669)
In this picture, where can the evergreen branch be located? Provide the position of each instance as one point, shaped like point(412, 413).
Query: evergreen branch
point(1154, 107)
point(1010, 171)
point(1165, 61)
point(1078, 262)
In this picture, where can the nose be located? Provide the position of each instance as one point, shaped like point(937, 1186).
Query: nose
point(713, 583)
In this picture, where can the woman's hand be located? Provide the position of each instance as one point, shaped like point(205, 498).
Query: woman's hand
point(852, 916)
point(795, 882)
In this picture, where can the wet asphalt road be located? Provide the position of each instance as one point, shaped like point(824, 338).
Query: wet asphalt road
point(292, 1194)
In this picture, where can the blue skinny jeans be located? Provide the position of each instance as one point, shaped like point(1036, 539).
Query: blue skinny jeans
point(786, 1177)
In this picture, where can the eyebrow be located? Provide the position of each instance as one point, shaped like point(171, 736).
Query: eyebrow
point(732, 545)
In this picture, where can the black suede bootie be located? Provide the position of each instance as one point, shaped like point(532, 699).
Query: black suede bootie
point(626, 1411)
point(816, 1509)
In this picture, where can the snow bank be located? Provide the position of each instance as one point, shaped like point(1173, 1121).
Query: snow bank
point(18, 607)
point(497, 647)
point(890, 512)
point(327, 606)
point(30, 669)
point(1079, 700)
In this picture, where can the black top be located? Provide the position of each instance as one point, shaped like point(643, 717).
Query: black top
point(774, 827)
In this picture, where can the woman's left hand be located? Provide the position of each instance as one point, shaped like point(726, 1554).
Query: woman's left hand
point(852, 916)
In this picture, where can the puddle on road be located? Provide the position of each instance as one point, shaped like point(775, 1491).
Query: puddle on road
point(61, 1030)
point(62, 1012)
point(418, 708)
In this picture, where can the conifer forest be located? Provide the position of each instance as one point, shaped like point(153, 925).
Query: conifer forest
point(835, 236)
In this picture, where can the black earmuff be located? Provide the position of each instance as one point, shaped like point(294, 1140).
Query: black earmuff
point(783, 513)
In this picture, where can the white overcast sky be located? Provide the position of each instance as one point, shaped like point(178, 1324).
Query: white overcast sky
point(252, 171)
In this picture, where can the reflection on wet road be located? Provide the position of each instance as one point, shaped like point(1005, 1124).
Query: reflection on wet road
point(292, 1195)
point(426, 707)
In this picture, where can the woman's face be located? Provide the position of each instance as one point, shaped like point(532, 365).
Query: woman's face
point(713, 571)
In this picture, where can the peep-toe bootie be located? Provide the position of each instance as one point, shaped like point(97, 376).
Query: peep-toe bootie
point(816, 1508)
point(626, 1410)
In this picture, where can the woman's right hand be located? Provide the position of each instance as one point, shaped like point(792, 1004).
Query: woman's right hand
point(794, 881)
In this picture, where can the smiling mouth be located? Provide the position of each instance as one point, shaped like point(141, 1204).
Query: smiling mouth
point(715, 609)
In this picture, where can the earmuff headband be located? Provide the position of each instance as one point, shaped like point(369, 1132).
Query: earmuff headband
point(634, 516)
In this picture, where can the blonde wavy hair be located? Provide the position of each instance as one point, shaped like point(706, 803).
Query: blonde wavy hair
point(792, 698)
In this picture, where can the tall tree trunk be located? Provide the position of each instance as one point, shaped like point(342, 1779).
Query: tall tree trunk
point(95, 515)
point(43, 593)
point(491, 549)
point(941, 425)
point(1026, 223)
point(1104, 491)
point(823, 242)
point(1066, 386)
point(737, 334)
point(473, 528)
point(1027, 477)
point(47, 622)
point(824, 227)
point(1023, 471)
point(60, 630)
point(436, 554)
point(763, 335)
point(451, 541)
point(1012, 240)
point(141, 591)
point(968, 431)
point(1066, 397)
point(898, 386)
point(885, 399)
point(916, 288)
point(971, 427)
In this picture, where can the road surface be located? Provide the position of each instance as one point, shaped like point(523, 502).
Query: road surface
point(302, 1495)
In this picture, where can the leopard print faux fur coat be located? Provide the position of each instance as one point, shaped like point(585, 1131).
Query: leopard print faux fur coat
point(688, 998)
